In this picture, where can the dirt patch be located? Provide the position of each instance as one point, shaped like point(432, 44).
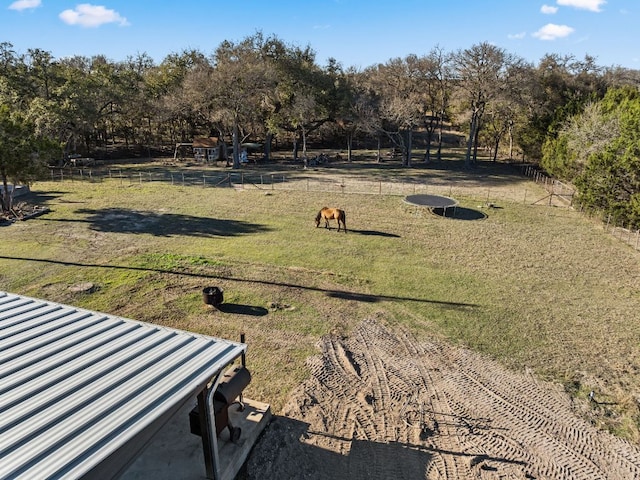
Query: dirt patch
point(381, 404)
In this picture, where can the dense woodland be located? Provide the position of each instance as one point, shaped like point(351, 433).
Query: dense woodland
point(579, 121)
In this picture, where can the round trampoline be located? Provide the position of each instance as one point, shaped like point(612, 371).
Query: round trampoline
point(432, 202)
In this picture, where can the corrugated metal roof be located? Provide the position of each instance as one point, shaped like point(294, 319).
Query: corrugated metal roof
point(77, 387)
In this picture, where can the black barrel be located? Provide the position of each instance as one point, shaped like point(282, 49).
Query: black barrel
point(212, 296)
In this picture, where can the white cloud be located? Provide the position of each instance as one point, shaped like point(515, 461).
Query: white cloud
point(87, 15)
point(516, 36)
point(25, 4)
point(552, 31)
point(592, 5)
point(548, 9)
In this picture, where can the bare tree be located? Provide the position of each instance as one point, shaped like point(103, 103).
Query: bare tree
point(438, 66)
point(480, 77)
point(399, 85)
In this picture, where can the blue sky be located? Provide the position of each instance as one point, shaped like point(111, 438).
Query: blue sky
point(357, 33)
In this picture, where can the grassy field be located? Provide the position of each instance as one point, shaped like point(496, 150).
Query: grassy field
point(534, 286)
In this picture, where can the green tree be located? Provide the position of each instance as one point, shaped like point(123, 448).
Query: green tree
point(559, 88)
point(599, 150)
point(303, 100)
point(23, 155)
point(237, 86)
point(170, 103)
point(359, 113)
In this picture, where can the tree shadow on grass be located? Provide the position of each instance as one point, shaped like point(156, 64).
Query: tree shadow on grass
point(338, 294)
point(367, 298)
point(120, 220)
point(41, 198)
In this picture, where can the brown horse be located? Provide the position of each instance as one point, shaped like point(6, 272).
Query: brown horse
point(327, 214)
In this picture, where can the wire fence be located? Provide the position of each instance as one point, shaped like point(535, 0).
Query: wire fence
point(297, 181)
point(557, 191)
point(558, 194)
point(566, 194)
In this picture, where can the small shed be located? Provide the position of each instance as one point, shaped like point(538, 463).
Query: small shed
point(82, 393)
point(208, 149)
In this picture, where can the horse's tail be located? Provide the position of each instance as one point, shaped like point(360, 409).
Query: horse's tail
point(344, 220)
point(318, 217)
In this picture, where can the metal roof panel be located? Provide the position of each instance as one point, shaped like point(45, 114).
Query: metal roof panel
point(78, 387)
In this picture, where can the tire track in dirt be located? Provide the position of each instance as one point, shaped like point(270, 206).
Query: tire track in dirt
point(427, 376)
point(557, 432)
point(380, 404)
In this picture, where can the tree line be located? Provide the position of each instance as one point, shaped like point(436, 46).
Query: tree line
point(571, 116)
